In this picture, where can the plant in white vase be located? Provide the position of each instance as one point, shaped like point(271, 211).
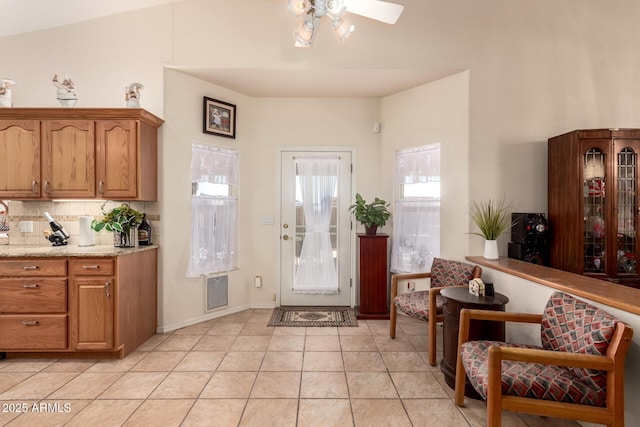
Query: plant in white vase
point(492, 217)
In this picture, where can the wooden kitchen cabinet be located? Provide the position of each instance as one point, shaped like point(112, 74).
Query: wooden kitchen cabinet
point(593, 203)
point(92, 296)
point(103, 306)
point(80, 153)
point(19, 159)
point(68, 159)
point(33, 304)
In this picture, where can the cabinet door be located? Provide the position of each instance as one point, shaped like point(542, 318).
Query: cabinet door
point(19, 159)
point(68, 158)
point(116, 162)
point(597, 198)
point(93, 325)
point(626, 218)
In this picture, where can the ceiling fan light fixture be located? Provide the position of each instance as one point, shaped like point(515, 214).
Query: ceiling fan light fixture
point(314, 10)
point(336, 8)
point(343, 28)
point(298, 7)
point(305, 33)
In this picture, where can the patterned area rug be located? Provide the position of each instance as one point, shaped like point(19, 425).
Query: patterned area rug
point(313, 316)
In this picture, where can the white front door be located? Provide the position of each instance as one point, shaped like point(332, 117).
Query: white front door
point(293, 229)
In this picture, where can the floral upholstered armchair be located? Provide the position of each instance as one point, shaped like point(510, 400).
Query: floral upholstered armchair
point(427, 305)
point(576, 373)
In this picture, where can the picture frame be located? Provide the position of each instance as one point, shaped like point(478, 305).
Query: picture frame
point(219, 118)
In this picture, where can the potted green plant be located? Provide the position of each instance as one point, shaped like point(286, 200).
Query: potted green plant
point(122, 221)
point(492, 217)
point(371, 215)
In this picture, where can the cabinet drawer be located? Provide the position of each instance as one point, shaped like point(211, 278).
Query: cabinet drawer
point(33, 332)
point(92, 267)
point(33, 295)
point(33, 267)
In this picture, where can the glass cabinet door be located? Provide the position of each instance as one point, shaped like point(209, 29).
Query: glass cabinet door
point(627, 172)
point(594, 210)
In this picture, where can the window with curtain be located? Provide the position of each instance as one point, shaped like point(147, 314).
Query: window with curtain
point(416, 225)
point(214, 208)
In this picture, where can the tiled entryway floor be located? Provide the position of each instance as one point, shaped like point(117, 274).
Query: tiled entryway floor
point(237, 371)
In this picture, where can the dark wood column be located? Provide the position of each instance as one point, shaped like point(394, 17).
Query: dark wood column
point(374, 274)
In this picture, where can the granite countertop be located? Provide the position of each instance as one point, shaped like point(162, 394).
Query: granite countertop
point(8, 251)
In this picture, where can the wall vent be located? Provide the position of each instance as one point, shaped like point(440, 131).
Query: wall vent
point(217, 292)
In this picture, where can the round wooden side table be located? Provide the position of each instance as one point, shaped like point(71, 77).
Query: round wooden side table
point(455, 299)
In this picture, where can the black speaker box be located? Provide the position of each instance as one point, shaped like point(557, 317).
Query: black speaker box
point(529, 228)
point(526, 253)
point(529, 238)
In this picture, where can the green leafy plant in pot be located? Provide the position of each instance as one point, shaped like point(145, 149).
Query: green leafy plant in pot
point(122, 221)
point(371, 215)
point(492, 217)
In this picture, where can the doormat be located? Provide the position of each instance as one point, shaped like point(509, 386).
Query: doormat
point(313, 316)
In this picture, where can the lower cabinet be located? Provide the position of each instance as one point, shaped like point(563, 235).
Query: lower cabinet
point(105, 306)
point(33, 304)
point(92, 296)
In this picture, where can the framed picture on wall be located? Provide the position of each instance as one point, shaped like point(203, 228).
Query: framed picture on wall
point(219, 118)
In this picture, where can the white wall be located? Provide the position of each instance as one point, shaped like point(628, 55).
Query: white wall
point(263, 126)
point(437, 112)
point(101, 56)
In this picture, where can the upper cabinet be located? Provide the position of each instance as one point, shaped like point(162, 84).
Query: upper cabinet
point(593, 203)
point(106, 153)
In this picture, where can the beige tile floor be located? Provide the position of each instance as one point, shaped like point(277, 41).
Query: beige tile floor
point(236, 371)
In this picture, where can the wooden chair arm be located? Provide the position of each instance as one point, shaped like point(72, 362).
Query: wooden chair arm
point(548, 357)
point(405, 276)
point(502, 316)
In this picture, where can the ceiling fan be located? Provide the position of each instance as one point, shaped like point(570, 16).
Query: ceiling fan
point(314, 10)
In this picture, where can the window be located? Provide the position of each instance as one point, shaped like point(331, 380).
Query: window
point(214, 208)
point(416, 226)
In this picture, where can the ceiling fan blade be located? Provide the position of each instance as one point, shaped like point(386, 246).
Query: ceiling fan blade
point(375, 9)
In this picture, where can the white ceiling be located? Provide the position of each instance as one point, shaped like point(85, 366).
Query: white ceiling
point(21, 16)
point(317, 83)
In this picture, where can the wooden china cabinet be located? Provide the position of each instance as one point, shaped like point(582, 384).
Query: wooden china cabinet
point(593, 203)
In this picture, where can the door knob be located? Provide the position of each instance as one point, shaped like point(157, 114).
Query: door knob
point(285, 237)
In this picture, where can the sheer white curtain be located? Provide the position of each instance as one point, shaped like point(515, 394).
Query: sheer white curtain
point(316, 272)
point(416, 225)
point(214, 209)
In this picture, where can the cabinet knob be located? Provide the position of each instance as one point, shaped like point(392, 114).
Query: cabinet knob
point(34, 187)
point(101, 187)
point(106, 289)
point(46, 187)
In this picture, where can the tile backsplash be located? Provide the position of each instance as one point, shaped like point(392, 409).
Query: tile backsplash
point(67, 213)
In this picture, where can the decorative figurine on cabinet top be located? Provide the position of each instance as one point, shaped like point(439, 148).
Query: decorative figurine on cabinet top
point(132, 95)
point(66, 91)
point(5, 92)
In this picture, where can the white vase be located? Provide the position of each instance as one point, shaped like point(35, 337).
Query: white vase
point(491, 249)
